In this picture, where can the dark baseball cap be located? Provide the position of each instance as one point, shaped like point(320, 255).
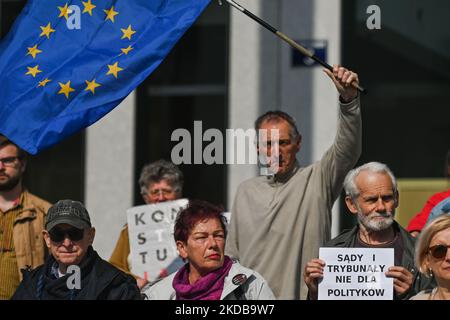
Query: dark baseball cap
point(70, 212)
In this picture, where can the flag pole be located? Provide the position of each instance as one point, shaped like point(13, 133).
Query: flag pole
point(284, 37)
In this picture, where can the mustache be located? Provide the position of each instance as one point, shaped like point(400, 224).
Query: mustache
point(387, 214)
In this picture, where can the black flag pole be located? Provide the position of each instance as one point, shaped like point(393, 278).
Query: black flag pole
point(284, 37)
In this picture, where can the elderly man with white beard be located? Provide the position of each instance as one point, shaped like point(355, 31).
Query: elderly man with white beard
point(372, 195)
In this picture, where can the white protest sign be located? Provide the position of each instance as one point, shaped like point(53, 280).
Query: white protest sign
point(227, 216)
point(153, 249)
point(356, 274)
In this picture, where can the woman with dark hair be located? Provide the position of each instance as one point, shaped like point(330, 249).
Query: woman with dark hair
point(200, 232)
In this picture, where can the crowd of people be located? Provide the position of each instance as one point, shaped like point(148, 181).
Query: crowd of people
point(268, 250)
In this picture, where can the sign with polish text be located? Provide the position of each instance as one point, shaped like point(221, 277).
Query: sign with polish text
point(153, 250)
point(356, 274)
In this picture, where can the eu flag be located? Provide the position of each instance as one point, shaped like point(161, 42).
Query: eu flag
point(65, 64)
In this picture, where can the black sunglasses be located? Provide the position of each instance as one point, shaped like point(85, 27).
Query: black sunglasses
point(439, 251)
point(58, 235)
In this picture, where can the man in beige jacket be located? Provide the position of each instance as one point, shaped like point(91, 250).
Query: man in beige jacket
point(21, 220)
point(279, 222)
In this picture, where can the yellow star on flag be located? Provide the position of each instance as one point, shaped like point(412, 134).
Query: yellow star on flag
point(128, 32)
point(33, 71)
point(110, 14)
point(64, 11)
point(88, 7)
point(114, 69)
point(33, 51)
point(91, 86)
point(46, 30)
point(65, 89)
point(44, 82)
point(126, 50)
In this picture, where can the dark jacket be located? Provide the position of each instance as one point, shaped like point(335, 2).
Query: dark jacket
point(348, 238)
point(99, 281)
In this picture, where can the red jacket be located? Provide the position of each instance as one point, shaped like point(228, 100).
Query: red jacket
point(420, 219)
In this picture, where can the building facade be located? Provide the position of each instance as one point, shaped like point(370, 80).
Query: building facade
point(227, 70)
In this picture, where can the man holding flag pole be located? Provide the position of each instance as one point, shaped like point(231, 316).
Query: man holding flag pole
point(282, 217)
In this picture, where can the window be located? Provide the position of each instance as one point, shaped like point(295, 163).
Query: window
point(189, 85)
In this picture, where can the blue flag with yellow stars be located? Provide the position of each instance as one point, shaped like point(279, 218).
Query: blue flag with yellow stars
point(65, 64)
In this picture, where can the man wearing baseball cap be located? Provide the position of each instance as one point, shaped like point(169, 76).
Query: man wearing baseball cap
point(74, 270)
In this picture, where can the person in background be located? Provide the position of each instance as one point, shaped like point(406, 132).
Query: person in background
point(200, 234)
point(159, 181)
point(73, 270)
point(22, 217)
point(372, 195)
point(433, 258)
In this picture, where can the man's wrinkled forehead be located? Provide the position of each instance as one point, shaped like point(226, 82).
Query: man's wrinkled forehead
point(9, 149)
point(269, 134)
point(373, 182)
point(275, 131)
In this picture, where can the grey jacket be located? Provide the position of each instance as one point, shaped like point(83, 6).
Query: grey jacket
point(255, 288)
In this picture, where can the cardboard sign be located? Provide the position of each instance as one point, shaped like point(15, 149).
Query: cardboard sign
point(153, 250)
point(318, 47)
point(356, 274)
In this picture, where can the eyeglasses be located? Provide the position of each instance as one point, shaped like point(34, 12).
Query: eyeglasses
point(9, 161)
point(58, 235)
point(439, 251)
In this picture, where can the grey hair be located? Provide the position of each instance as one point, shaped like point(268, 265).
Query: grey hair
point(277, 116)
point(161, 170)
point(350, 187)
point(4, 141)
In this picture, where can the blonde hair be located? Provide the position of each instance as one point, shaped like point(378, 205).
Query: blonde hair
point(425, 237)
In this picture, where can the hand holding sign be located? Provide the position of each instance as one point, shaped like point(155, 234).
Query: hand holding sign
point(313, 273)
point(403, 279)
